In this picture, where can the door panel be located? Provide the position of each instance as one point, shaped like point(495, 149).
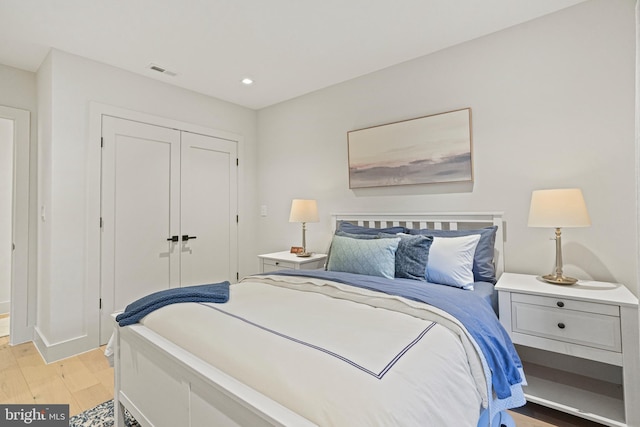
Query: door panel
point(140, 210)
point(142, 218)
point(208, 193)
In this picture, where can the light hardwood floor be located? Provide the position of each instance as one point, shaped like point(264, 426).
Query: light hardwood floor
point(86, 380)
point(533, 415)
point(82, 381)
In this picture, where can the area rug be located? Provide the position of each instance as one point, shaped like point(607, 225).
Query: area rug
point(100, 416)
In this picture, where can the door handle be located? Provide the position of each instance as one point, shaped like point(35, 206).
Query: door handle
point(173, 239)
point(186, 237)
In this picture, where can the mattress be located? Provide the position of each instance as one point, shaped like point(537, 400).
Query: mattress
point(337, 354)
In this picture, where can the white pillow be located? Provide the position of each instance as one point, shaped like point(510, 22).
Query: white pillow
point(451, 261)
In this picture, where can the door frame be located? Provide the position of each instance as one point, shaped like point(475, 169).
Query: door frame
point(20, 330)
point(94, 178)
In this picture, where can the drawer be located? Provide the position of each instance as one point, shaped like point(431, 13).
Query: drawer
point(273, 265)
point(567, 304)
point(572, 326)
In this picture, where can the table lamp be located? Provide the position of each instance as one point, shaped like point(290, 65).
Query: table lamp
point(556, 209)
point(304, 211)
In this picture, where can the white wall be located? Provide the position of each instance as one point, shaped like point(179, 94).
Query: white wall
point(44, 246)
point(553, 106)
point(6, 207)
point(67, 85)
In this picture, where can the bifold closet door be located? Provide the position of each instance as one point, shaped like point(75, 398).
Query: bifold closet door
point(208, 210)
point(140, 211)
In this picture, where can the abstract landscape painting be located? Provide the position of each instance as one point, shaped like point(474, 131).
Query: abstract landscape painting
point(426, 150)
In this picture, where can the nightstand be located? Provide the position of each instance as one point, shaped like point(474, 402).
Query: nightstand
point(287, 260)
point(579, 345)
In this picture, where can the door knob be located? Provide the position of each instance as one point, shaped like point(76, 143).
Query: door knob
point(186, 237)
point(173, 239)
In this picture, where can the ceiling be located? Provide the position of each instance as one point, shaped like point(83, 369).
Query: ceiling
point(289, 47)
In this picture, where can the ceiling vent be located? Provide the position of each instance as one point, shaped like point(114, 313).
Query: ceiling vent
point(162, 70)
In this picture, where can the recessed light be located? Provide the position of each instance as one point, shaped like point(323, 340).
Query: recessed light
point(247, 81)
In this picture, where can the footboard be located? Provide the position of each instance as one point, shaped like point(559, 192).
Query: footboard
point(161, 384)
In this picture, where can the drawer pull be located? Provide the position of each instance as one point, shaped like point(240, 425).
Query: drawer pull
point(561, 325)
point(277, 263)
point(560, 304)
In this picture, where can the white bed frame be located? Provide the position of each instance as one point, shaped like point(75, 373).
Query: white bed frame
point(161, 384)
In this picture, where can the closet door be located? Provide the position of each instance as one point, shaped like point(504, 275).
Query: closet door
point(208, 210)
point(169, 204)
point(140, 211)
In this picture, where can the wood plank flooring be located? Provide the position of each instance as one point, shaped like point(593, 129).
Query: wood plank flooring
point(532, 415)
point(82, 381)
point(86, 380)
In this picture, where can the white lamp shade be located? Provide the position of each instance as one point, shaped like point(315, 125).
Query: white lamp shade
point(558, 208)
point(304, 211)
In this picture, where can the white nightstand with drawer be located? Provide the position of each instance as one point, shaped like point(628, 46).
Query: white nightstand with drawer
point(286, 260)
point(594, 326)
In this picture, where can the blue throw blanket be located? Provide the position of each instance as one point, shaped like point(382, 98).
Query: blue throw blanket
point(474, 313)
point(218, 292)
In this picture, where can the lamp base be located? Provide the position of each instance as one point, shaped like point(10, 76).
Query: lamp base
point(559, 279)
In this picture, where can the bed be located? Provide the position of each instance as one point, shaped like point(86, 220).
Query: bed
point(341, 346)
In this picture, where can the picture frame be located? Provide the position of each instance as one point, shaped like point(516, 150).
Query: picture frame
point(424, 150)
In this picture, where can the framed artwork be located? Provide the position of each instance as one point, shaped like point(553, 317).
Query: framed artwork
point(425, 150)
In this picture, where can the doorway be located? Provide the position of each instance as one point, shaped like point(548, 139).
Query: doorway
point(14, 223)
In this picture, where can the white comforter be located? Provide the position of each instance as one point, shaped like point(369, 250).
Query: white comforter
point(337, 355)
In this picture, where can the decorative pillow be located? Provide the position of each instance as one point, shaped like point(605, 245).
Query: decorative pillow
point(451, 261)
point(483, 268)
point(412, 255)
point(353, 236)
point(374, 257)
point(347, 227)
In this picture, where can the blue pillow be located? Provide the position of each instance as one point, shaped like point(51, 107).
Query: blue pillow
point(412, 256)
point(374, 257)
point(483, 268)
point(361, 236)
point(347, 227)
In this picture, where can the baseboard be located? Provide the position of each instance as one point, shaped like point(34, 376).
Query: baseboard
point(61, 350)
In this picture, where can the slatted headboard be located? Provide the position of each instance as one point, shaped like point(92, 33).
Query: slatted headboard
point(436, 221)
